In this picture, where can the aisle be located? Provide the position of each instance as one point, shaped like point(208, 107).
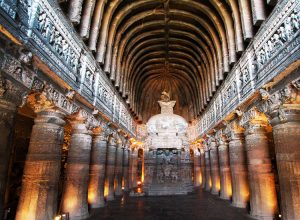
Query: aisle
point(200, 205)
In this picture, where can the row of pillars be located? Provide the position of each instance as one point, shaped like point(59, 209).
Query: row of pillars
point(237, 165)
point(96, 158)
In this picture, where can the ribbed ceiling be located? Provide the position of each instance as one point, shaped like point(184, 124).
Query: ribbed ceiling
point(182, 46)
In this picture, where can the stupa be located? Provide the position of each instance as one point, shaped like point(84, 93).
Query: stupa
point(167, 162)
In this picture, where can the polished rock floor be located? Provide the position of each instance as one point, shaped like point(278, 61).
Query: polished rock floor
point(199, 205)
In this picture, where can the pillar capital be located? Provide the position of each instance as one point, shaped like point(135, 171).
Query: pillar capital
point(284, 105)
point(221, 137)
point(11, 95)
point(233, 130)
point(101, 131)
point(254, 120)
point(112, 140)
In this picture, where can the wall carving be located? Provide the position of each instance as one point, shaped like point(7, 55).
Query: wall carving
point(276, 46)
point(44, 30)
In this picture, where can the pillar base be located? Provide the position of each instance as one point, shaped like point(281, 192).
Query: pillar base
point(101, 204)
point(214, 192)
point(225, 197)
point(239, 205)
point(119, 193)
point(110, 198)
point(262, 217)
point(80, 217)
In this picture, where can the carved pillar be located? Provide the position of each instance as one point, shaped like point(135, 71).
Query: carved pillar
point(97, 169)
point(130, 182)
point(214, 166)
point(38, 198)
point(110, 166)
point(285, 116)
point(263, 199)
point(202, 167)
point(126, 168)
point(207, 170)
point(7, 115)
point(119, 168)
point(197, 168)
point(238, 166)
point(134, 167)
point(74, 198)
point(225, 175)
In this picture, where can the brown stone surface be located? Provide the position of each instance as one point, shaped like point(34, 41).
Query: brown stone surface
point(119, 168)
point(207, 171)
point(239, 173)
point(75, 194)
point(126, 169)
point(225, 174)
point(286, 135)
point(7, 115)
point(197, 170)
point(38, 199)
point(214, 167)
point(263, 199)
point(97, 170)
point(110, 167)
point(202, 165)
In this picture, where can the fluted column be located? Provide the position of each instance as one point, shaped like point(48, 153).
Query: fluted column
point(285, 119)
point(119, 168)
point(263, 199)
point(238, 166)
point(207, 171)
point(110, 166)
point(202, 167)
point(197, 168)
point(97, 168)
point(126, 168)
point(214, 166)
point(75, 194)
point(38, 198)
point(225, 175)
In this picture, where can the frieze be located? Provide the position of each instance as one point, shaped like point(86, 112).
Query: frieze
point(10, 7)
point(277, 42)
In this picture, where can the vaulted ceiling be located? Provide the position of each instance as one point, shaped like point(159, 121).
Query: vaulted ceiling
point(183, 46)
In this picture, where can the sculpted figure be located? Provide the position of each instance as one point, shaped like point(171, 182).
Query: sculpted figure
point(295, 20)
point(165, 96)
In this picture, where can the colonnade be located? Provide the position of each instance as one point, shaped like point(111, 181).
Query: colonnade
point(235, 159)
point(96, 153)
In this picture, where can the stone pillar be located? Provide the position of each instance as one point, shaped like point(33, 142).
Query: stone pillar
point(97, 169)
point(263, 199)
point(134, 167)
point(126, 168)
point(7, 116)
point(214, 166)
point(130, 182)
point(207, 171)
point(225, 175)
point(110, 167)
point(75, 194)
point(38, 198)
point(197, 168)
point(238, 166)
point(286, 132)
point(119, 168)
point(202, 167)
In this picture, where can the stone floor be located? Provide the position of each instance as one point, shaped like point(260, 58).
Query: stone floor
point(199, 205)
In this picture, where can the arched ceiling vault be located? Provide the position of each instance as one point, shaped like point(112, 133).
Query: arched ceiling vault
point(183, 46)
